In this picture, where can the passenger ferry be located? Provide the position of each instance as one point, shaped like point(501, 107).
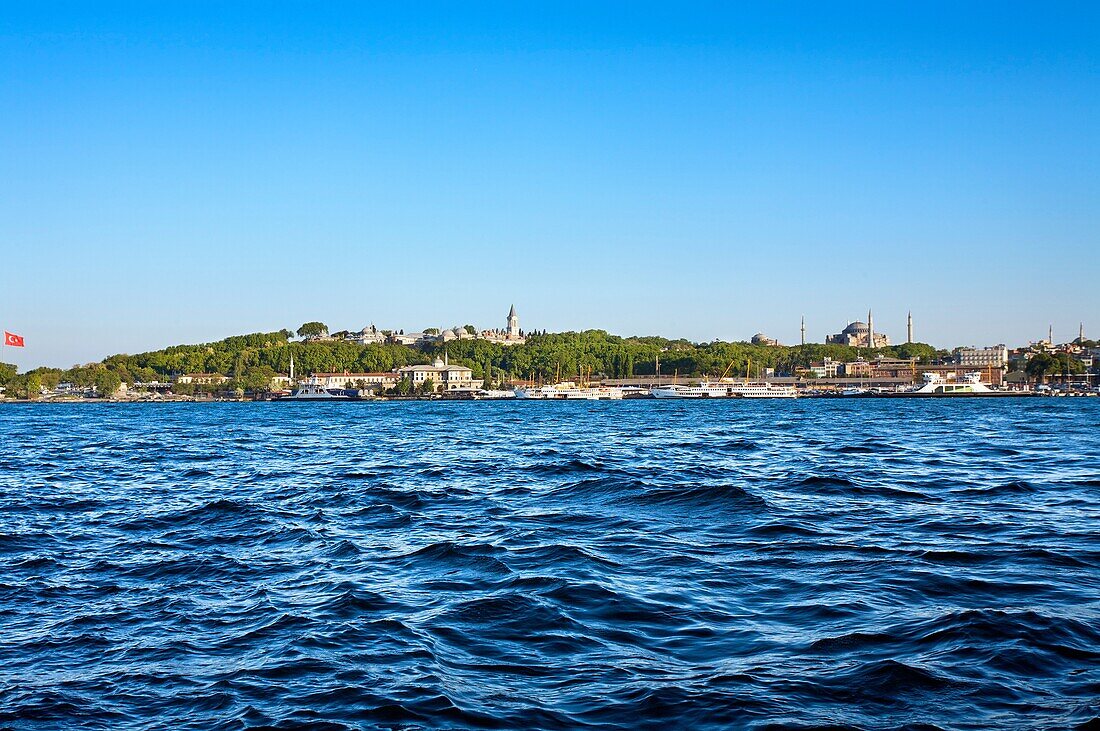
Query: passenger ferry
point(725, 388)
point(970, 385)
point(569, 391)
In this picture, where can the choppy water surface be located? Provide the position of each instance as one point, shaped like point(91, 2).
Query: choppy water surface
point(669, 565)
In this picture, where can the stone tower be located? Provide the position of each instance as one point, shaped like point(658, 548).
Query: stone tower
point(513, 323)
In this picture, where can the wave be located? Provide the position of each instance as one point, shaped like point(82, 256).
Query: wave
point(700, 496)
point(1016, 487)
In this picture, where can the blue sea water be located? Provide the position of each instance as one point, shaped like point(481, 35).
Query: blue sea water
point(673, 565)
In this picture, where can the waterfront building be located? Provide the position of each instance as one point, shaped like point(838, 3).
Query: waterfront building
point(996, 355)
point(443, 375)
point(860, 335)
point(348, 379)
point(858, 369)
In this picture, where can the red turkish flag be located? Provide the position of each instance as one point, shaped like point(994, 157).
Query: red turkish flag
point(15, 341)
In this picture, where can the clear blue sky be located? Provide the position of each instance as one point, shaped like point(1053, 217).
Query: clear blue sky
point(181, 174)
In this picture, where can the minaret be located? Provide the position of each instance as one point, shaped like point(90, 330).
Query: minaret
point(513, 323)
point(870, 329)
point(909, 328)
point(1050, 334)
point(803, 329)
point(1081, 333)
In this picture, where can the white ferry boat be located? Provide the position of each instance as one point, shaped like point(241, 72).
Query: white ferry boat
point(569, 391)
point(492, 394)
point(936, 385)
point(314, 392)
point(725, 388)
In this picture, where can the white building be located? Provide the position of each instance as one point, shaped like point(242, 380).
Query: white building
point(827, 368)
point(354, 380)
point(367, 336)
point(455, 333)
point(443, 375)
point(996, 356)
point(412, 338)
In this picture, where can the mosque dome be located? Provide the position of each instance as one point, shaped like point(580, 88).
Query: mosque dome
point(856, 328)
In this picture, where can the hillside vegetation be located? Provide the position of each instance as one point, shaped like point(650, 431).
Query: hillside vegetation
point(250, 361)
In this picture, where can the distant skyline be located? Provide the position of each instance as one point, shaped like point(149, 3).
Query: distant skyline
point(178, 174)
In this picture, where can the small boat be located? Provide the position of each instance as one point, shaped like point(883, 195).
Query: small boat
point(725, 388)
point(569, 391)
point(489, 394)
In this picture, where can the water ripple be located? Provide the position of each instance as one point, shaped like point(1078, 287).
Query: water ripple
point(805, 565)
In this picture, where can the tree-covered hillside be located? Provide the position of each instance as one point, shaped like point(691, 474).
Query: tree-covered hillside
point(250, 361)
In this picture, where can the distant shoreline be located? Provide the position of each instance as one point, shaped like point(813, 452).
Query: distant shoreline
point(878, 397)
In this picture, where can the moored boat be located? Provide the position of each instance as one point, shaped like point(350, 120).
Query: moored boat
point(314, 392)
point(569, 391)
point(725, 388)
point(970, 385)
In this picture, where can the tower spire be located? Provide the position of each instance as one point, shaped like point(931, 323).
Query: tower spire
point(870, 329)
point(1081, 333)
point(909, 328)
point(803, 329)
point(1050, 334)
point(513, 323)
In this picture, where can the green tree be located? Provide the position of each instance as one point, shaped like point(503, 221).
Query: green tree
point(257, 379)
point(312, 329)
point(32, 388)
point(921, 351)
point(107, 383)
point(1040, 365)
point(7, 372)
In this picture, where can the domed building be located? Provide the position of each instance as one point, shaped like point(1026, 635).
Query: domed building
point(860, 335)
point(762, 339)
